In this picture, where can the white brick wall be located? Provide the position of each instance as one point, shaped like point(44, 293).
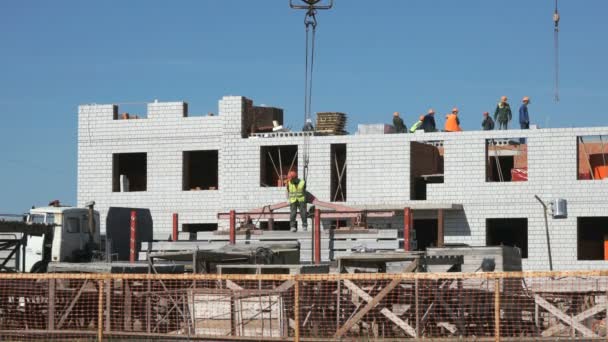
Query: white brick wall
point(378, 174)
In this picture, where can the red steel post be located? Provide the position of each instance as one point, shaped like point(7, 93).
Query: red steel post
point(407, 229)
point(232, 227)
point(440, 228)
point(133, 239)
point(317, 242)
point(175, 230)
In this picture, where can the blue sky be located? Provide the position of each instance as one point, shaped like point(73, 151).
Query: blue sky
point(373, 58)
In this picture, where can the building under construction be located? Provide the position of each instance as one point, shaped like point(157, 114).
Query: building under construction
point(410, 191)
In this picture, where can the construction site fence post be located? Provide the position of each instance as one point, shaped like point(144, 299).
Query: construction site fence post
point(296, 310)
point(317, 241)
point(174, 236)
point(497, 309)
point(100, 311)
point(133, 237)
point(232, 227)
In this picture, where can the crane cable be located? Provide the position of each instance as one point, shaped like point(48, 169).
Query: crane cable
point(310, 20)
point(556, 49)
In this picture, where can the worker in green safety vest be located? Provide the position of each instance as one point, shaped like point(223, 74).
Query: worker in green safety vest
point(296, 192)
point(418, 124)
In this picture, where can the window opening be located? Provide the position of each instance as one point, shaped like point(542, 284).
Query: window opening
point(129, 172)
point(592, 157)
point(426, 166)
point(200, 170)
point(275, 164)
point(592, 238)
point(338, 173)
point(507, 160)
point(508, 232)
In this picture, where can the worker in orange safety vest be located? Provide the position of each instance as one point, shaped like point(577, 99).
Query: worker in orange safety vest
point(452, 123)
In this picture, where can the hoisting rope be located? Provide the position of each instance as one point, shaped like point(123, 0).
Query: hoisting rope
point(310, 20)
point(556, 49)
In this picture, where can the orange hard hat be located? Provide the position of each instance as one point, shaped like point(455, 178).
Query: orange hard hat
point(292, 175)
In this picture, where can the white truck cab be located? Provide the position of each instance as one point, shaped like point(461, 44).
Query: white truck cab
point(69, 239)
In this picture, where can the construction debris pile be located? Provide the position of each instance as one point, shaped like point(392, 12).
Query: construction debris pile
point(331, 123)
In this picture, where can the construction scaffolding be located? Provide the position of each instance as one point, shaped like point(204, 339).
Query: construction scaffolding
point(308, 307)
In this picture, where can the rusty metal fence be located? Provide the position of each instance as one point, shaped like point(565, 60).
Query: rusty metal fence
point(378, 307)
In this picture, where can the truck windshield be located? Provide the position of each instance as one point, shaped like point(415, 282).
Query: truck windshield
point(36, 218)
point(40, 218)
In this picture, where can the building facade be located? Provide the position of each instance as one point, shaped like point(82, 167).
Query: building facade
point(199, 166)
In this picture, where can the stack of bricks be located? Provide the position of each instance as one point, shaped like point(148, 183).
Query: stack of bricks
point(331, 123)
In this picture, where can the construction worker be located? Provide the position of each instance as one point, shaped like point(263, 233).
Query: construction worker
point(524, 118)
point(308, 127)
point(398, 123)
point(417, 124)
point(296, 192)
point(502, 115)
point(487, 124)
point(428, 124)
point(452, 123)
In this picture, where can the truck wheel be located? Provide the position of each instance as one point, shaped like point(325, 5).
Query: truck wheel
point(39, 267)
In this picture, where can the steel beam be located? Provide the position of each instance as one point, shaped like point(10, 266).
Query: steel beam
point(317, 239)
point(407, 229)
point(324, 215)
point(133, 239)
point(175, 227)
point(232, 217)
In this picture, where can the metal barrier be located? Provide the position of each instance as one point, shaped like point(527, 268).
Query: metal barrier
point(515, 306)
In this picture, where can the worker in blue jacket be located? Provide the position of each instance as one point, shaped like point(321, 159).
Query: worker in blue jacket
point(524, 118)
point(428, 123)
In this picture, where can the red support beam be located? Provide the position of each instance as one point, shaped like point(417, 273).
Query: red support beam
point(133, 239)
point(336, 215)
point(175, 224)
point(232, 227)
point(317, 243)
point(407, 229)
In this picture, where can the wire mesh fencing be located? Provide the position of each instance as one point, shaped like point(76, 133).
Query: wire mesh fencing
point(380, 307)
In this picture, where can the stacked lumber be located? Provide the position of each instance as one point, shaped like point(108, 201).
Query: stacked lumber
point(331, 123)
